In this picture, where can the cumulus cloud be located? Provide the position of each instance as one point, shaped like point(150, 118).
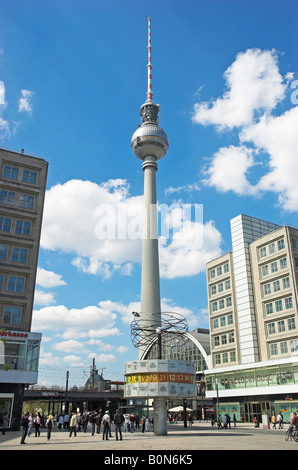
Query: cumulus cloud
point(228, 170)
point(43, 298)
point(253, 85)
point(48, 278)
point(25, 104)
point(101, 225)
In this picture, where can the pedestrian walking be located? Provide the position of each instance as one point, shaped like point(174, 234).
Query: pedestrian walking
point(106, 425)
point(132, 422)
point(147, 423)
point(85, 419)
point(273, 421)
point(280, 420)
point(37, 424)
point(98, 421)
point(73, 424)
point(60, 421)
point(93, 422)
point(24, 425)
point(49, 426)
point(126, 422)
point(66, 421)
point(143, 423)
point(31, 421)
point(228, 421)
point(4, 422)
point(234, 420)
point(118, 421)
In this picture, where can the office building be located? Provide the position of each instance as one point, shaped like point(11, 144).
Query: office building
point(22, 191)
point(252, 298)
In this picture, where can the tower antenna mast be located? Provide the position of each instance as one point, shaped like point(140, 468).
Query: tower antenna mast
point(149, 66)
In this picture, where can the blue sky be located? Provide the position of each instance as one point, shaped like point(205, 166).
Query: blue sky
point(73, 78)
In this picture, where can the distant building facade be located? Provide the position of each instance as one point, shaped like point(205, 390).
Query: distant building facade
point(252, 298)
point(22, 192)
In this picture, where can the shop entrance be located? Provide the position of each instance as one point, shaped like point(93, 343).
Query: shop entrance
point(256, 410)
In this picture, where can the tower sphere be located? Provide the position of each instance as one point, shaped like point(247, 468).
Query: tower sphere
point(149, 138)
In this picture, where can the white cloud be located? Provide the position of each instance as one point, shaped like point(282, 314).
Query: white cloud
point(78, 213)
point(228, 169)
point(43, 298)
point(2, 93)
point(253, 85)
point(189, 250)
point(25, 101)
point(278, 137)
point(48, 278)
point(74, 215)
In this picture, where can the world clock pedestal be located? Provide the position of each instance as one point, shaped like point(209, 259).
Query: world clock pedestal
point(160, 379)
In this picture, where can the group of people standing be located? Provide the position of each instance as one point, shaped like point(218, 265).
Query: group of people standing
point(77, 422)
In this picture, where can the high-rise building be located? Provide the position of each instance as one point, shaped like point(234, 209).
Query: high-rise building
point(22, 192)
point(252, 297)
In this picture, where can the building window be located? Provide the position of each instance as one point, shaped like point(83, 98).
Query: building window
point(283, 263)
point(288, 303)
point(225, 358)
point(294, 345)
point(219, 271)
point(278, 306)
point(271, 248)
point(222, 321)
point(10, 172)
point(274, 267)
point(220, 287)
point(273, 349)
point(295, 244)
point(269, 308)
point(15, 284)
point(276, 286)
point(227, 284)
point(26, 201)
point(291, 324)
point(281, 326)
point(224, 339)
point(29, 176)
point(280, 244)
point(267, 289)
point(1, 281)
point(232, 356)
point(217, 359)
point(12, 314)
point(271, 328)
point(214, 306)
point(263, 252)
point(284, 348)
point(265, 270)
point(3, 252)
point(286, 282)
point(229, 301)
point(221, 303)
point(226, 267)
point(213, 290)
point(212, 273)
point(216, 341)
point(231, 337)
point(7, 197)
point(5, 224)
point(215, 323)
point(230, 319)
point(23, 227)
point(19, 255)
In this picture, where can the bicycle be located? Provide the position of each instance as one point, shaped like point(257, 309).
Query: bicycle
point(291, 434)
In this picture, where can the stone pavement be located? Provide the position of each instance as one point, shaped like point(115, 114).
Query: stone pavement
point(200, 436)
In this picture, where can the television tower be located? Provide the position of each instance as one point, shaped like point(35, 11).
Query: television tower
point(150, 144)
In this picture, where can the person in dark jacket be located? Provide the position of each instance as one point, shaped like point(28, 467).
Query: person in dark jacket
point(118, 421)
point(24, 425)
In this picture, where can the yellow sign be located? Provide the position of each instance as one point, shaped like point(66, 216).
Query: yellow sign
point(160, 377)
